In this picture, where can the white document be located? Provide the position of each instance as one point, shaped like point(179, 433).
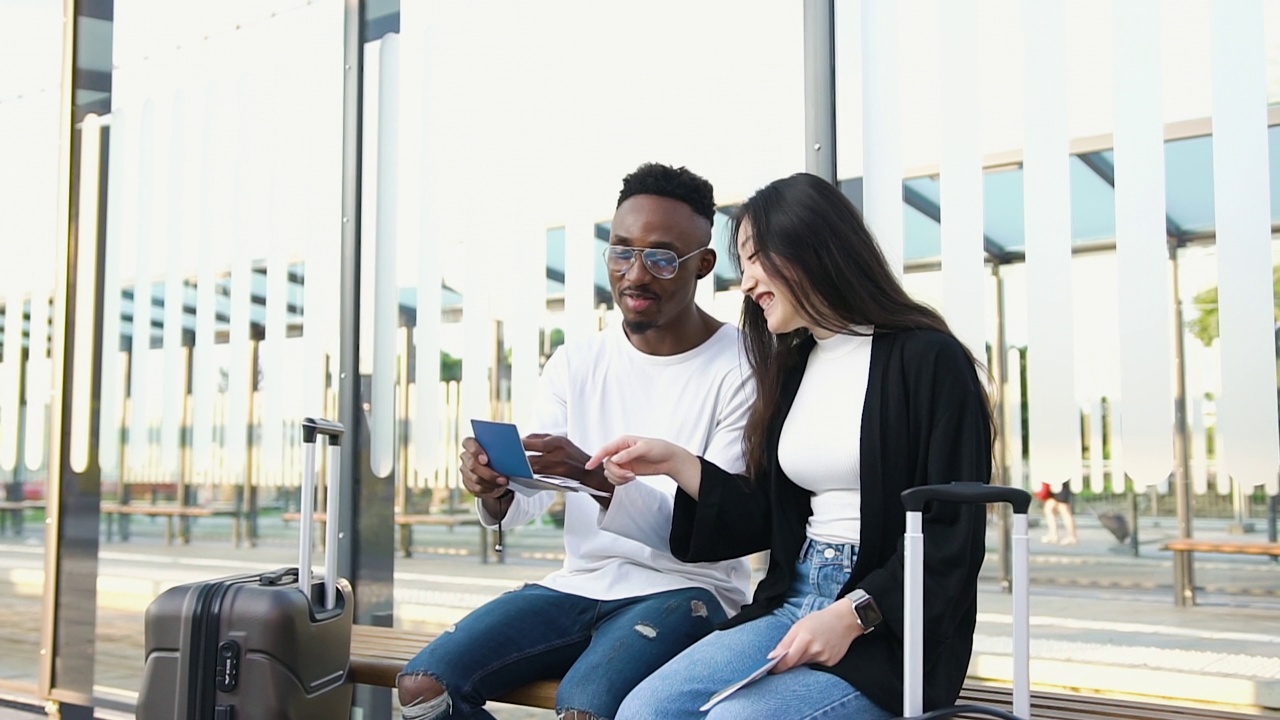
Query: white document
point(538, 483)
point(764, 670)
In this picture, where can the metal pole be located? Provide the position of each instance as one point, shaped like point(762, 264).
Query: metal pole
point(365, 517)
point(1183, 565)
point(1000, 373)
point(68, 619)
point(820, 88)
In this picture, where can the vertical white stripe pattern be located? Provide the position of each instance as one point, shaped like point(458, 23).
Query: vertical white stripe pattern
point(10, 175)
point(86, 286)
point(963, 265)
point(1119, 479)
point(38, 382)
point(140, 345)
point(382, 418)
point(1054, 435)
point(580, 253)
point(242, 150)
point(214, 189)
point(175, 370)
point(274, 351)
point(423, 230)
point(1013, 418)
point(10, 375)
point(528, 243)
point(882, 160)
point(122, 183)
point(1247, 421)
point(1142, 258)
point(1096, 420)
point(1199, 459)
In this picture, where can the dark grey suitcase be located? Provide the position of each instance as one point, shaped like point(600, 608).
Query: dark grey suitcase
point(254, 646)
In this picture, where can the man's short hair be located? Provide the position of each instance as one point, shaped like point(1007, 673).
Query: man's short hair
point(675, 183)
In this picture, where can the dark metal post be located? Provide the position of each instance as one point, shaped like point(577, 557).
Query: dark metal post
point(68, 624)
point(820, 88)
point(1184, 584)
point(365, 517)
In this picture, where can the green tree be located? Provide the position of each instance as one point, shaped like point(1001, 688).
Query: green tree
point(1205, 324)
point(450, 367)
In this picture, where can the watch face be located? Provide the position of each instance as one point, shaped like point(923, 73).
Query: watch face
point(868, 614)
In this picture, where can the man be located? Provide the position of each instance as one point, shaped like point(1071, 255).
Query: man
point(621, 606)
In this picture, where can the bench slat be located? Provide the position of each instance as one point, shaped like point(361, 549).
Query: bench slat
point(449, 520)
point(1226, 547)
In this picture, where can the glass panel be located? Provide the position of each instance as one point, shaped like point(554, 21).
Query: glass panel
point(258, 146)
point(922, 236)
point(1188, 177)
point(1002, 207)
point(1093, 204)
point(555, 261)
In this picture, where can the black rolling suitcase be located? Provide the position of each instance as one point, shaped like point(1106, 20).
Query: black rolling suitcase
point(254, 646)
point(970, 493)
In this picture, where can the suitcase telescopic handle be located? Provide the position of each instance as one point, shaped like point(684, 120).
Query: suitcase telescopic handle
point(332, 431)
point(318, 426)
point(966, 493)
point(971, 493)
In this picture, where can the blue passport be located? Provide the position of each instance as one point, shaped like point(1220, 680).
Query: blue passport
point(507, 457)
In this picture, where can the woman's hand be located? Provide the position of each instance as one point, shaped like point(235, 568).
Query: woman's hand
point(819, 638)
point(629, 456)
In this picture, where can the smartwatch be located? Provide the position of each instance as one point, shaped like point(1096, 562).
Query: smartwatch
point(865, 610)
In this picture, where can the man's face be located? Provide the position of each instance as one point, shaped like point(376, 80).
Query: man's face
point(646, 300)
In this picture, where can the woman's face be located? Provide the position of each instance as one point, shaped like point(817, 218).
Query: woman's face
point(780, 310)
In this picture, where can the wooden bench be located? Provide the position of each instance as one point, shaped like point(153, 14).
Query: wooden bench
point(117, 512)
point(1220, 547)
point(406, 523)
point(16, 509)
point(378, 655)
point(1223, 547)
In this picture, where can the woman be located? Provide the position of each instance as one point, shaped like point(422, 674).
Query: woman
point(861, 393)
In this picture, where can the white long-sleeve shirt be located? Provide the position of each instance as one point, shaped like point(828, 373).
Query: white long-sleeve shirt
point(594, 391)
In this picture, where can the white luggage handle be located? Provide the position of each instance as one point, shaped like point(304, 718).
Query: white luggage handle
point(332, 432)
point(969, 493)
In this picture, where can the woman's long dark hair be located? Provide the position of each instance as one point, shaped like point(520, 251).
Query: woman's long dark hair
point(812, 241)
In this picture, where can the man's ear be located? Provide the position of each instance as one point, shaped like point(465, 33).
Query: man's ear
point(707, 263)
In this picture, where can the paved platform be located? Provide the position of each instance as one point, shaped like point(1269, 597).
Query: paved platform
point(1103, 620)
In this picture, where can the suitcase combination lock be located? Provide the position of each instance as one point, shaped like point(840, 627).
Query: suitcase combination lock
point(228, 666)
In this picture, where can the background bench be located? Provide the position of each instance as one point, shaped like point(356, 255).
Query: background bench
point(379, 654)
point(1220, 547)
point(406, 522)
point(1223, 547)
point(16, 510)
point(117, 512)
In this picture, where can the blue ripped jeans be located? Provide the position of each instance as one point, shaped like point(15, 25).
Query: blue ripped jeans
point(683, 685)
point(602, 648)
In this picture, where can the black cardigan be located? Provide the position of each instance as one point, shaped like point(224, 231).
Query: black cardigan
point(925, 421)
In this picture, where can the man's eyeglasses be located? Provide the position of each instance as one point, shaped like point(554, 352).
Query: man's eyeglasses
point(661, 263)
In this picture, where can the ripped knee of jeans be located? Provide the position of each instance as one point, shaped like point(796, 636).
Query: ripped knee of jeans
point(422, 697)
point(575, 715)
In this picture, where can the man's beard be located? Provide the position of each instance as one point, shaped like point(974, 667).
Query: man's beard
point(638, 327)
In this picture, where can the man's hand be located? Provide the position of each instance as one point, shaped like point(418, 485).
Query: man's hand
point(480, 480)
point(556, 455)
point(820, 638)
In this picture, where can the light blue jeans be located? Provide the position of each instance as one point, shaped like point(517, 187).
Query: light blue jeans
point(602, 648)
point(722, 658)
